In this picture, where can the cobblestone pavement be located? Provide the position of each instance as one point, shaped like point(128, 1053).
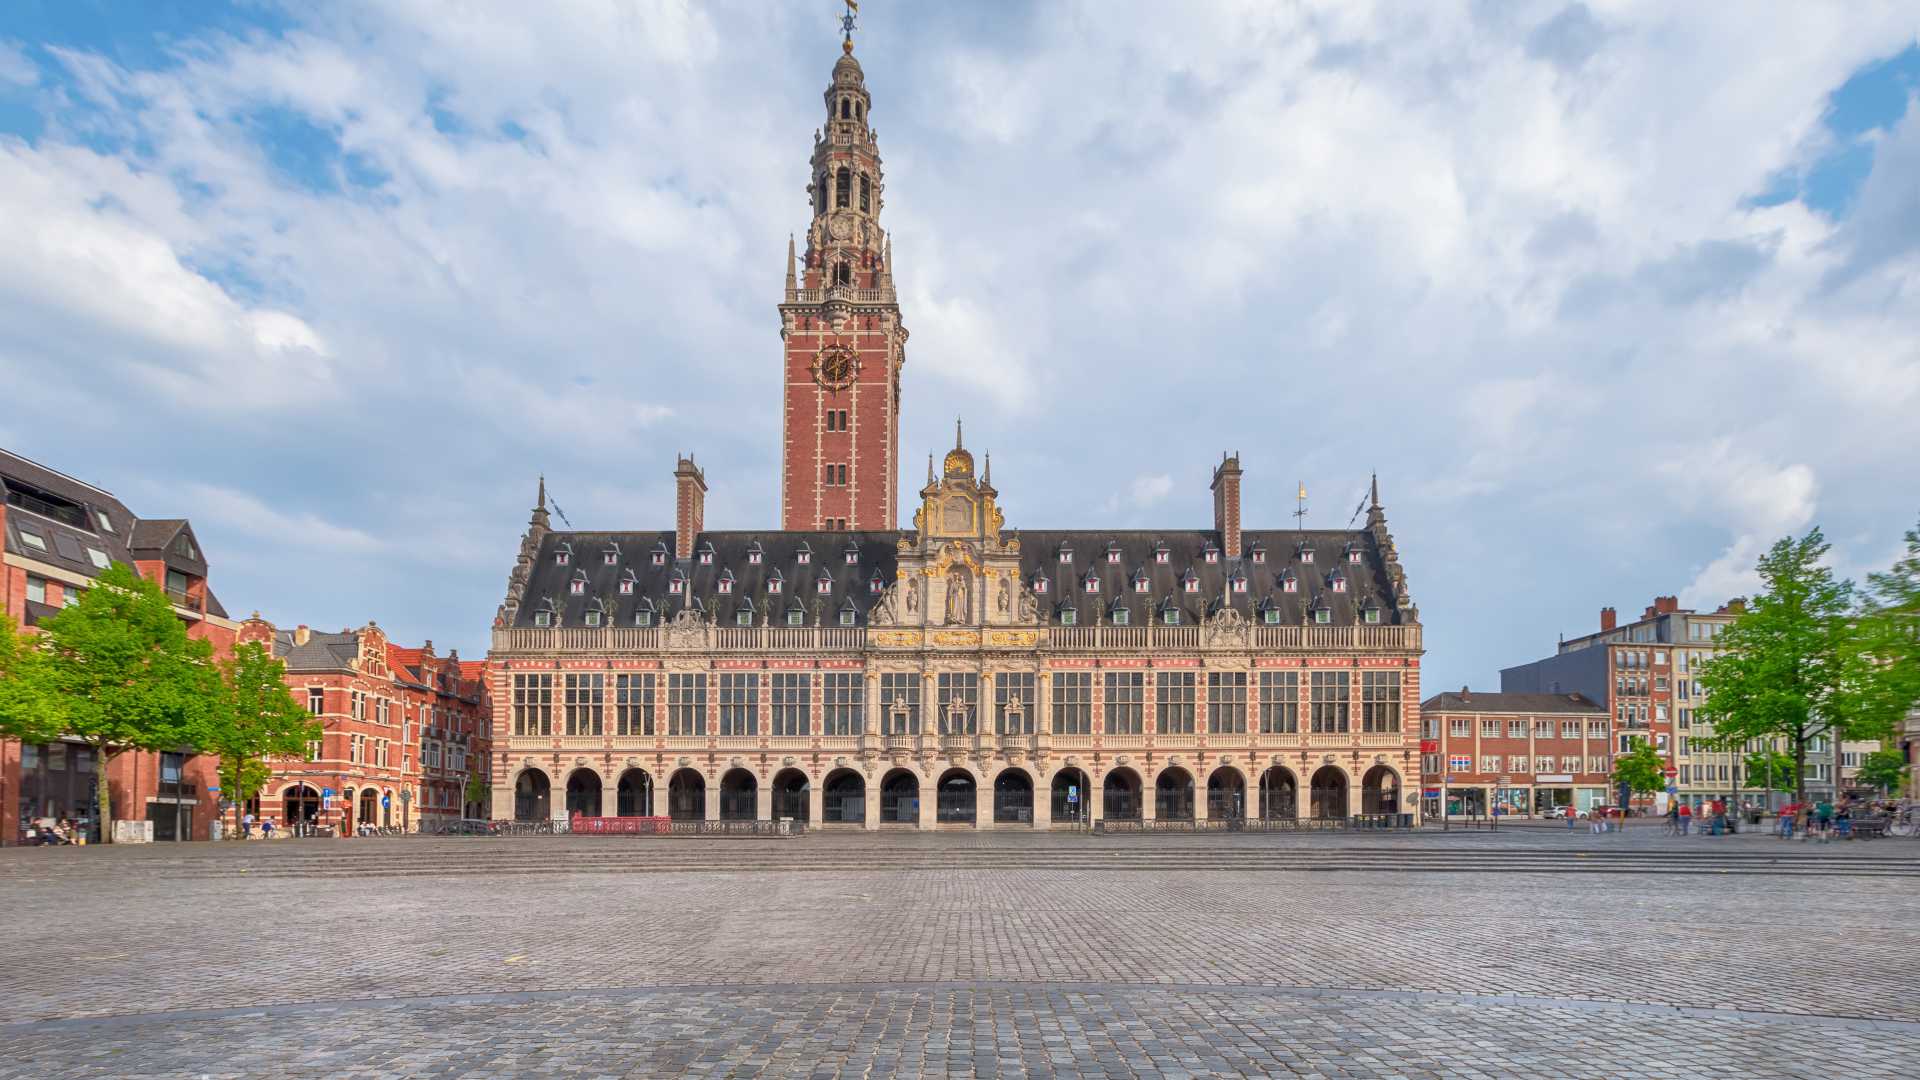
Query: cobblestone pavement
point(122, 969)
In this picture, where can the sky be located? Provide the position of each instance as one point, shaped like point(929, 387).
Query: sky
point(1609, 295)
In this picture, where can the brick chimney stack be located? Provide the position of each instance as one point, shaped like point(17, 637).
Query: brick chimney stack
point(1608, 620)
point(1226, 503)
point(690, 506)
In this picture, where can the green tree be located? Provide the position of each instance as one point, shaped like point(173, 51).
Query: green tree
point(1796, 665)
point(115, 671)
point(21, 714)
point(1891, 626)
point(1884, 769)
point(254, 718)
point(1771, 770)
point(476, 788)
point(1640, 771)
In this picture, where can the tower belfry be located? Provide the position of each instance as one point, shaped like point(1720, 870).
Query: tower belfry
point(840, 323)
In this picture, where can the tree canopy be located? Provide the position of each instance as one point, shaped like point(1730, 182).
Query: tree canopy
point(253, 719)
point(1884, 769)
point(1641, 770)
point(1771, 770)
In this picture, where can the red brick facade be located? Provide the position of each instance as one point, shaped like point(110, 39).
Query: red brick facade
point(1524, 754)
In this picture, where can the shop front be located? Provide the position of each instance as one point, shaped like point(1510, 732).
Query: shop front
point(57, 784)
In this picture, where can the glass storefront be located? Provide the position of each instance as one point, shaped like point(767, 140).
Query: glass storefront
point(57, 783)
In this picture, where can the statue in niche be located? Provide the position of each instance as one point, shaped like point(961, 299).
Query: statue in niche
point(959, 596)
point(1005, 602)
point(1029, 606)
point(913, 596)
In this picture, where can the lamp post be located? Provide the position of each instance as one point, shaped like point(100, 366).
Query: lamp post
point(406, 803)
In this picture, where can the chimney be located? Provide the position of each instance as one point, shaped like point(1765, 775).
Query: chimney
point(1226, 503)
point(690, 506)
point(1608, 620)
point(427, 647)
point(1665, 605)
point(1735, 606)
point(1465, 695)
point(302, 634)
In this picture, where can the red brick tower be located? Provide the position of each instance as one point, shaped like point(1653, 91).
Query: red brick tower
point(844, 344)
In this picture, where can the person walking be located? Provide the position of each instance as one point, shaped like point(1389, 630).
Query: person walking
point(1686, 818)
point(1823, 816)
point(246, 825)
point(266, 827)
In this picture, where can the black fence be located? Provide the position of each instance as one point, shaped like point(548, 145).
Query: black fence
point(1355, 823)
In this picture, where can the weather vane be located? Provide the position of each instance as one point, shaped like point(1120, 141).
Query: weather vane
point(847, 25)
point(1300, 513)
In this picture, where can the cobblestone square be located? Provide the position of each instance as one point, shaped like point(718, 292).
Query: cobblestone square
point(1515, 955)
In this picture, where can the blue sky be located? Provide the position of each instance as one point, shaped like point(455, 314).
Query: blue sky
point(1610, 296)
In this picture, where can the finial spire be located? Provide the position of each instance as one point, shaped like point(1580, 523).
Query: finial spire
point(987, 476)
point(791, 281)
point(847, 26)
point(1373, 493)
point(930, 477)
point(540, 501)
point(957, 443)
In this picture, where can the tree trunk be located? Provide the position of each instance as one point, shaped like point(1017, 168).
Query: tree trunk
point(1800, 768)
point(103, 800)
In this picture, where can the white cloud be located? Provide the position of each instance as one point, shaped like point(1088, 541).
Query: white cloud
point(15, 66)
point(244, 513)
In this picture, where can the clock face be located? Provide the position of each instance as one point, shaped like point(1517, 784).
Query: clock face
point(835, 366)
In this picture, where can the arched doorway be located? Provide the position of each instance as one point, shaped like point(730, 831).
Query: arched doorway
point(532, 795)
point(386, 808)
point(1120, 796)
point(739, 795)
point(1173, 795)
point(634, 796)
point(1380, 791)
point(1279, 795)
point(791, 789)
point(369, 812)
point(687, 796)
point(1329, 793)
point(1013, 797)
point(959, 800)
point(900, 798)
point(583, 793)
point(1071, 796)
point(1226, 795)
point(843, 799)
point(299, 805)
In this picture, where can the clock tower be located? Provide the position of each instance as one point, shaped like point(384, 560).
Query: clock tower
point(840, 327)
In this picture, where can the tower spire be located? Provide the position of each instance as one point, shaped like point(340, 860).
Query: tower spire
point(847, 26)
point(957, 443)
point(791, 282)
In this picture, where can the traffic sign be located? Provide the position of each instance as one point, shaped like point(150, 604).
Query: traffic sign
point(1073, 793)
point(386, 801)
point(213, 791)
point(326, 793)
point(1672, 771)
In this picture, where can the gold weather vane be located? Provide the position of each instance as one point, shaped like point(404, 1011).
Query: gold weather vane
point(1300, 511)
point(847, 26)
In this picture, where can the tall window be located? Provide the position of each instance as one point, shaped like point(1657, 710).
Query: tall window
point(687, 704)
point(633, 704)
point(359, 705)
point(843, 187)
point(1380, 701)
point(532, 704)
point(899, 702)
point(739, 703)
point(585, 698)
point(1279, 702)
point(843, 698)
point(1073, 703)
point(959, 702)
point(1226, 702)
point(1126, 702)
point(1174, 698)
point(791, 694)
point(866, 188)
point(1013, 703)
point(316, 700)
point(1330, 693)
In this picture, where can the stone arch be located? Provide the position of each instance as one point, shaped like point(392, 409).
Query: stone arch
point(1072, 794)
point(687, 796)
point(1173, 794)
point(1329, 792)
point(843, 798)
point(1380, 790)
point(739, 795)
point(900, 797)
point(532, 795)
point(583, 792)
point(792, 790)
point(635, 794)
point(299, 804)
point(957, 797)
point(1120, 794)
point(368, 812)
point(1013, 796)
point(1279, 794)
point(1226, 793)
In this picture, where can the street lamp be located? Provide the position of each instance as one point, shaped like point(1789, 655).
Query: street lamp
point(406, 802)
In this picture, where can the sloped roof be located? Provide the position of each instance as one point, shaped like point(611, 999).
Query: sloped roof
point(1475, 701)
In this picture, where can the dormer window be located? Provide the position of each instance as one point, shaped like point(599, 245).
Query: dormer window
point(578, 585)
point(725, 584)
point(1338, 581)
point(1353, 551)
point(643, 617)
point(1140, 582)
point(1161, 554)
point(1121, 616)
point(563, 554)
point(543, 618)
point(626, 583)
point(1238, 583)
point(1113, 552)
point(1068, 616)
point(1270, 615)
point(1066, 554)
point(1322, 616)
point(659, 554)
point(876, 585)
point(1259, 554)
point(743, 616)
point(1370, 613)
point(1040, 584)
point(754, 554)
point(1091, 583)
point(1212, 554)
point(774, 582)
point(796, 617)
point(804, 555)
point(1170, 616)
point(823, 585)
point(1190, 582)
point(850, 555)
point(1305, 553)
point(849, 616)
point(593, 615)
point(1289, 582)
point(677, 584)
point(610, 554)
point(706, 554)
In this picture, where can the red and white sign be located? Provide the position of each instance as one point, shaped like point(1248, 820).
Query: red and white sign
point(1672, 771)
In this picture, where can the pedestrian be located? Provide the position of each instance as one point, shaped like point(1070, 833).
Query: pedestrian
point(1686, 818)
point(1823, 816)
point(266, 827)
point(1786, 826)
point(1570, 818)
point(1673, 818)
point(1843, 820)
point(246, 825)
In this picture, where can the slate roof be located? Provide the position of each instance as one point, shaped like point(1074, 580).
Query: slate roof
point(1475, 701)
point(549, 583)
point(66, 515)
point(322, 651)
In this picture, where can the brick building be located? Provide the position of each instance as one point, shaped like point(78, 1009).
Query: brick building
point(59, 534)
point(1533, 754)
point(404, 729)
point(956, 674)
